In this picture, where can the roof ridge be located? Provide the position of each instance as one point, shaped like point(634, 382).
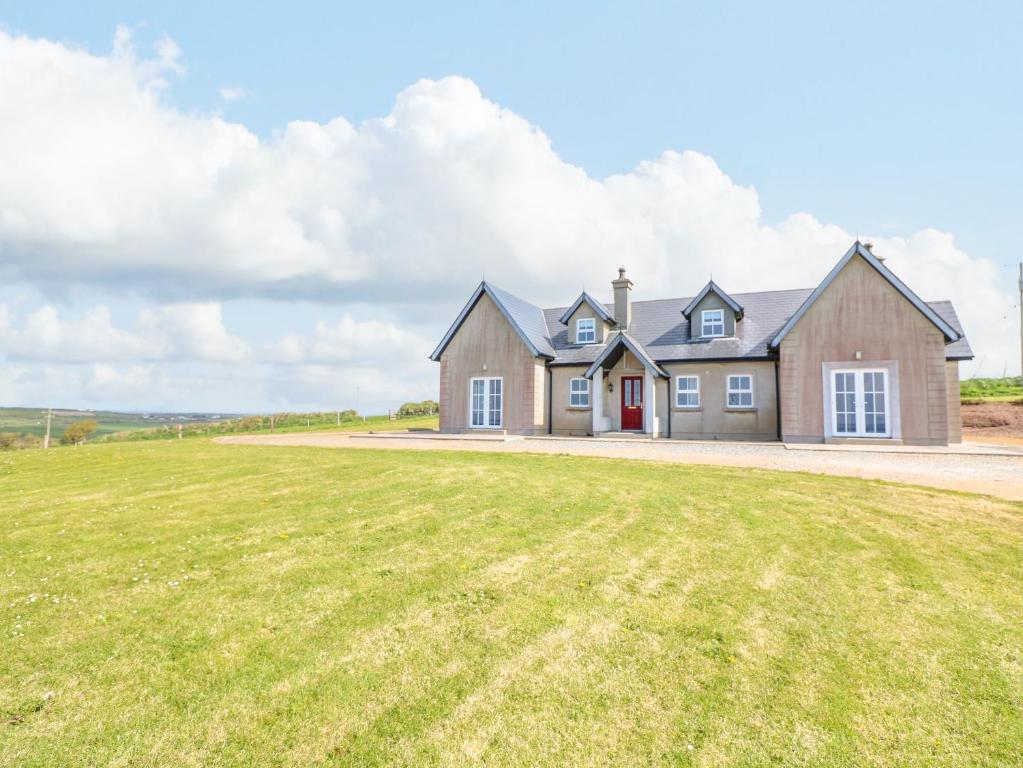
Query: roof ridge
point(690, 298)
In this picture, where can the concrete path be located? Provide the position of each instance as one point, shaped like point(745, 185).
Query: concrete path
point(993, 470)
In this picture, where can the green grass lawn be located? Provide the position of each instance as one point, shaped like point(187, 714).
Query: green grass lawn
point(186, 604)
point(992, 389)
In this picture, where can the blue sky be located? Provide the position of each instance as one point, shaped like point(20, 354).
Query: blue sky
point(882, 119)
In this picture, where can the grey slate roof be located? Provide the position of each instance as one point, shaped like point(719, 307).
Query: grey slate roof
point(529, 318)
point(712, 286)
point(960, 349)
point(599, 308)
point(661, 328)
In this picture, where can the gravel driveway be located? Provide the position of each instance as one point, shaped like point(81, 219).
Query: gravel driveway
point(992, 470)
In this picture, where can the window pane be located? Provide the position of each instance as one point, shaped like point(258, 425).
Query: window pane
point(874, 405)
point(580, 393)
point(477, 402)
point(494, 403)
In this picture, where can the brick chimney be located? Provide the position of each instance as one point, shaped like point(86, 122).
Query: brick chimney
point(623, 299)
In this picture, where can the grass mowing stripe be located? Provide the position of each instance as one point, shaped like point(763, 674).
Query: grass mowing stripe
point(197, 604)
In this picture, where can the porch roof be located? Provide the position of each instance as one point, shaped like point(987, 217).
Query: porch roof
point(614, 350)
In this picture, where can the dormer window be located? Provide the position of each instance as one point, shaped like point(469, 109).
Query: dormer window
point(585, 330)
point(713, 323)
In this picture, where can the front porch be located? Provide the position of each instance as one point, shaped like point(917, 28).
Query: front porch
point(623, 387)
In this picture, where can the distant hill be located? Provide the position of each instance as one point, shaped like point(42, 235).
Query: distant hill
point(33, 420)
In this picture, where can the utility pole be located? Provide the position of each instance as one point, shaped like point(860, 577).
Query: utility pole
point(49, 419)
point(1021, 321)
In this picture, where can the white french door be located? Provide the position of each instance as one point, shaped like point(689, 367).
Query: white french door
point(859, 403)
point(486, 397)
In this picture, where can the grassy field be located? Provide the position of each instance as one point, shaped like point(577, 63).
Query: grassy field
point(992, 389)
point(186, 604)
point(119, 427)
point(33, 420)
point(291, 422)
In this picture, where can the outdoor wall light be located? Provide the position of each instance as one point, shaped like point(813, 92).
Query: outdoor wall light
point(610, 386)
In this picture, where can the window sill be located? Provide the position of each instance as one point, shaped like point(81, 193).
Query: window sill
point(740, 409)
point(578, 407)
point(696, 409)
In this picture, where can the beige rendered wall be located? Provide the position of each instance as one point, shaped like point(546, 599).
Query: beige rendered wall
point(714, 420)
point(861, 312)
point(955, 416)
point(566, 419)
point(487, 345)
point(577, 421)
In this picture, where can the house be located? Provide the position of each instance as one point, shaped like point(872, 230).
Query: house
point(858, 358)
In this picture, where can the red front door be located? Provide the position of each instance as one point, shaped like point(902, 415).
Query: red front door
point(632, 402)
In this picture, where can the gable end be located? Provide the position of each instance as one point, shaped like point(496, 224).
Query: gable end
point(858, 250)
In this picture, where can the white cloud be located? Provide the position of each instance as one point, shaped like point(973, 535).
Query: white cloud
point(173, 332)
point(192, 332)
point(360, 343)
point(44, 336)
point(105, 183)
point(233, 93)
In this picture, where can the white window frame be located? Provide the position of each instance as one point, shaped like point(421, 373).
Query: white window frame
point(859, 403)
point(704, 322)
point(730, 390)
point(679, 391)
point(591, 332)
point(582, 394)
point(486, 415)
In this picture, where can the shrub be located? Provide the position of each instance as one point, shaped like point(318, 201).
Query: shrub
point(425, 408)
point(77, 432)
